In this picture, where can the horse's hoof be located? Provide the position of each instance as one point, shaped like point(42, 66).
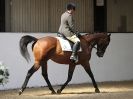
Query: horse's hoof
point(58, 91)
point(53, 92)
point(20, 92)
point(97, 90)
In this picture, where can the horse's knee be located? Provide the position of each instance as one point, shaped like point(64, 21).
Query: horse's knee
point(44, 75)
point(69, 77)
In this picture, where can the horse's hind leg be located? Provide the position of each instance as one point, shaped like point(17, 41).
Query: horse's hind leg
point(45, 75)
point(70, 74)
point(88, 70)
point(33, 69)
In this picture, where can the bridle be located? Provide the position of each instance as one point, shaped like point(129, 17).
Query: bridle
point(93, 45)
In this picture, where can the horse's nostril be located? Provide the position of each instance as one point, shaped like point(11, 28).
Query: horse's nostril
point(100, 54)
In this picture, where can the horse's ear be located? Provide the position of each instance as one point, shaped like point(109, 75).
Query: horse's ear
point(109, 34)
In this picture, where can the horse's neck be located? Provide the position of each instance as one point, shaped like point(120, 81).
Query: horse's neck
point(97, 36)
point(92, 38)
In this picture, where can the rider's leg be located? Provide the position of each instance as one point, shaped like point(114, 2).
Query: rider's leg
point(75, 48)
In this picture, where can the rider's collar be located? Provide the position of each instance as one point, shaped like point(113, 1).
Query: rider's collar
point(68, 12)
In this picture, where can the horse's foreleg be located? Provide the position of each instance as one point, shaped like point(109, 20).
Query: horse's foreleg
point(70, 74)
point(45, 75)
point(88, 70)
point(29, 74)
point(93, 81)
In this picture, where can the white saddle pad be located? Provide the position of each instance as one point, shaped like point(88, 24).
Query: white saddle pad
point(65, 45)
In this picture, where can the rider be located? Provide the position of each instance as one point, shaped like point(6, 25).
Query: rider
point(67, 29)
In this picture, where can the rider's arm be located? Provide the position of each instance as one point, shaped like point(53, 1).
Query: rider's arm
point(71, 24)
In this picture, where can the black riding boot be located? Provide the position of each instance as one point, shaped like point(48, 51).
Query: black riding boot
point(74, 56)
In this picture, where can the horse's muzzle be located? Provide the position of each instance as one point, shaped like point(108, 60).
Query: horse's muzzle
point(100, 54)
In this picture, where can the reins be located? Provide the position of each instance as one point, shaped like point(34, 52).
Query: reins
point(62, 36)
point(93, 45)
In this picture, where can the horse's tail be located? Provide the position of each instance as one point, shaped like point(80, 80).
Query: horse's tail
point(24, 41)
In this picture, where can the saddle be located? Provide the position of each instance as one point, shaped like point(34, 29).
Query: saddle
point(65, 43)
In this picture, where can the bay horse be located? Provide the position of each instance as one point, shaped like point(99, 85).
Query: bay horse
point(49, 47)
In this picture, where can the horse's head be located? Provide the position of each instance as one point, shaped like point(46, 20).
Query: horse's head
point(101, 40)
point(102, 43)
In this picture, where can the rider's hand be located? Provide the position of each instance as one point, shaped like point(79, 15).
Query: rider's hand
point(78, 34)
